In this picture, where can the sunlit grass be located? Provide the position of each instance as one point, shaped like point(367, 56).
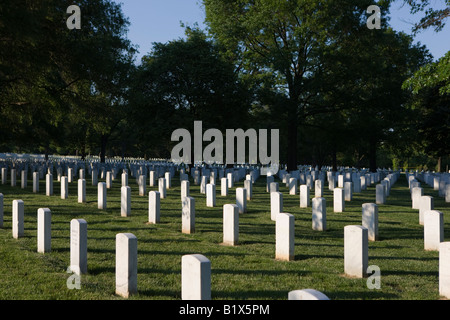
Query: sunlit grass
point(246, 271)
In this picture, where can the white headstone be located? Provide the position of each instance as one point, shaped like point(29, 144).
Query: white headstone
point(284, 237)
point(426, 204)
point(35, 182)
point(273, 187)
point(230, 224)
point(69, 175)
point(249, 187)
point(44, 229)
point(319, 214)
point(444, 269)
point(13, 177)
point(101, 195)
point(154, 206)
point(17, 218)
point(447, 192)
point(126, 264)
point(355, 251)
point(370, 220)
point(293, 186)
point(49, 184)
point(195, 277)
point(94, 177)
point(23, 179)
point(78, 246)
point(276, 204)
point(4, 175)
point(188, 215)
point(142, 185)
point(152, 178)
point(162, 188)
point(348, 191)
point(81, 191)
point(210, 195)
point(241, 199)
point(416, 194)
point(269, 180)
point(230, 180)
point(124, 179)
point(304, 196)
point(108, 179)
point(338, 200)
point(306, 294)
point(64, 187)
point(125, 201)
point(185, 192)
point(318, 188)
point(168, 178)
point(433, 229)
point(380, 195)
point(223, 187)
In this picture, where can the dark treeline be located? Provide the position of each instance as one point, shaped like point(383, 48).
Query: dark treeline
point(339, 92)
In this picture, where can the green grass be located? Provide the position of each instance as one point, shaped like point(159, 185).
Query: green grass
point(246, 271)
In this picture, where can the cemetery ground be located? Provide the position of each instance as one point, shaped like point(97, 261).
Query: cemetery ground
point(248, 271)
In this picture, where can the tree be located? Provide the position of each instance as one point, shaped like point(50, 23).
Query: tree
point(290, 40)
point(49, 73)
point(180, 82)
point(430, 86)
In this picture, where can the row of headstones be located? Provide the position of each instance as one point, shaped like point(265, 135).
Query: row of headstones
point(196, 268)
point(283, 250)
point(432, 220)
point(438, 183)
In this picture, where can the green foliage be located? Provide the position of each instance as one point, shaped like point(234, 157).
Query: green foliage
point(180, 82)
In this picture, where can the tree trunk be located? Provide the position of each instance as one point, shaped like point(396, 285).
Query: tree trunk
point(104, 141)
point(373, 155)
point(292, 139)
point(334, 159)
point(439, 164)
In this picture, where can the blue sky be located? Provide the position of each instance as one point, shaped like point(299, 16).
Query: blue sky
point(159, 21)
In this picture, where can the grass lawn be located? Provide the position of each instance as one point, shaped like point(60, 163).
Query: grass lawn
point(246, 271)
